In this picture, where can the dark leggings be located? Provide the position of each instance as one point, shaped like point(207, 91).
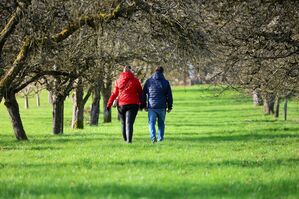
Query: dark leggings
point(127, 115)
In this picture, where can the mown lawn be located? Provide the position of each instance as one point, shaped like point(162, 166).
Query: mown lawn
point(215, 147)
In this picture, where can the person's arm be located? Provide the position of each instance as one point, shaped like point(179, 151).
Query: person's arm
point(169, 98)
point(113, 96)
point(139, 90)
point(144, 95)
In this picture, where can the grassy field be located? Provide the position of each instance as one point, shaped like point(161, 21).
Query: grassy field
point(215, 147)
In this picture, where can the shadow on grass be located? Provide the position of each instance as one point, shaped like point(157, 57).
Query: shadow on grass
point(226, 132)
point(29, 148)
point(54, 142)
point(216, 123)
point(200, 165)
point(50, 143)
point(213, 113)
point(258, 163)
point(174, 165)
point(274, 189)
point(195, 124)
point(233, 138)
point(8, 135)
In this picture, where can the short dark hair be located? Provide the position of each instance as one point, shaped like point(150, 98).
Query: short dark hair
point(160, 69)
point(127, 68)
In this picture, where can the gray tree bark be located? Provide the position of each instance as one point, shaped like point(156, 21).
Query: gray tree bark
point(37, 99)
point(50, 98)
point(95, 106)
point(269, 102)
point(26, 102)
point(78, 107)
point(257, 98)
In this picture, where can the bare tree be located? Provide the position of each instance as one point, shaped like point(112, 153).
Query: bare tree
point(50, 25)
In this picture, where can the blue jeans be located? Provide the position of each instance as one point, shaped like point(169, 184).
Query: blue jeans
point(153, 114)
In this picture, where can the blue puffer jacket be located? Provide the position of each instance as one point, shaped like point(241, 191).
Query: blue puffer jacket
point(157, 92)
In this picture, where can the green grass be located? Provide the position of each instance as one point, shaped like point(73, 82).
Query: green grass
point(215, 147)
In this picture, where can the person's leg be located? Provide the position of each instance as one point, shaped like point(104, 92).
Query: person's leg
point(130, 119)
point(161, 124)
point(151, 123)
point(122, 117)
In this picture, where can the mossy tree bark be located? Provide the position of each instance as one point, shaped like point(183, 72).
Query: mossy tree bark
point(14, 113)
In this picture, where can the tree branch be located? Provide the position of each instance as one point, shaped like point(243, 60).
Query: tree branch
point(89, 91)
point(25, 84)
point(117, 12)
point(10, 74)
point(12, 22)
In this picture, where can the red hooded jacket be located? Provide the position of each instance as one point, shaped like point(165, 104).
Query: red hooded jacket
point(128, 90)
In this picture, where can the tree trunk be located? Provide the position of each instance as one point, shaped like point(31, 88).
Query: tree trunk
point(277, 103)
point(106, 92)
point(78, 107)
point(257, 98)
point(58, 109)
point(107, 115)
point(50, 97)
point(14, 113)
point(285, 109)
point(269, 103)
point(26, 102)
point(37, 99)
point(95, 106)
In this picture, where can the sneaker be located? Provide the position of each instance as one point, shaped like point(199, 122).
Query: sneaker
point(154, 140)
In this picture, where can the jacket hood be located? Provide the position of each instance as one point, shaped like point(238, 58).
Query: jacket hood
point(158, 75)
point(123, 79)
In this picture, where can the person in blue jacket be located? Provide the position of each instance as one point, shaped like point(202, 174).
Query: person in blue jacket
point(157, 99)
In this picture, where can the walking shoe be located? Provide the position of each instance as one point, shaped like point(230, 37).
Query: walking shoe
point(154, 140)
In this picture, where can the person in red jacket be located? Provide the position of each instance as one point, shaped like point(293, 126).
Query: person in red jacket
point(128, 90)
